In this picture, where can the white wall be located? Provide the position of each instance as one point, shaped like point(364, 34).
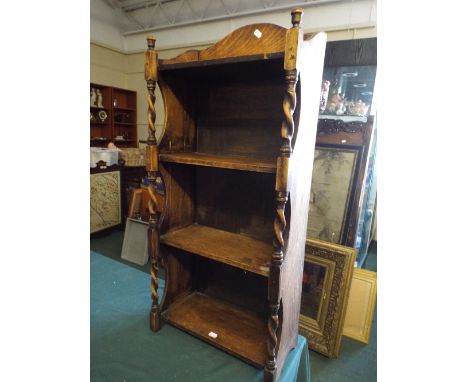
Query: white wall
point(107, 66)
point(106, 35)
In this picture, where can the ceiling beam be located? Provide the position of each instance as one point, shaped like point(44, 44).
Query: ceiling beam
point(303, 4)
point(117, 8)
point(130, 7)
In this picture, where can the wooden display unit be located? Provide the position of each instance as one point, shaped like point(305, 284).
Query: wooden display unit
point(120, 107)
point(124, 117)
point(235, 160)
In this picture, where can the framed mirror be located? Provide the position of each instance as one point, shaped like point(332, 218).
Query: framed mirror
point(325, 288)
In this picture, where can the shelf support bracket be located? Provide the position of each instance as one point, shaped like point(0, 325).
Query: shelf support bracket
point(292, 45)
point(154, 180)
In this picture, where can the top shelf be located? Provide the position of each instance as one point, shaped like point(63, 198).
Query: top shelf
point(229, 162)
point(249, 68)
point(172, 64)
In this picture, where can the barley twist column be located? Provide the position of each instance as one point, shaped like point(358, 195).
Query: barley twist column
point(282, 194)
point(151, 59)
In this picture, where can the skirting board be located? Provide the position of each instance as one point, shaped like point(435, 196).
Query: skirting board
point(361, 305)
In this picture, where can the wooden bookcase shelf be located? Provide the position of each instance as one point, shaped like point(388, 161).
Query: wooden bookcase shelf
point(200, 314)
point(210, 160)
point(120, 121)
point(174, 64)
point(233, 168)
point(229, 248)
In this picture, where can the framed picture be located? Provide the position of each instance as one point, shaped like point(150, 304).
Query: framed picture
point(333, 184)
point(325, 287)
point(105, 195)
point(340, 171)
point(361, 305)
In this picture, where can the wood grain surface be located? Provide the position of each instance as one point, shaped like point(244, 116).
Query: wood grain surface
point(237, 250)
point(236, 156)
point(220, 161)
point(200, 315)
point(219, 205)
point(241, 42)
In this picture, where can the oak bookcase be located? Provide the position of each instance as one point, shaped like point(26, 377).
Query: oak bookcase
point(229, 185)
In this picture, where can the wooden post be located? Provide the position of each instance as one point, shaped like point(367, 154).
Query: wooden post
point(293, 37)
point(152, 168)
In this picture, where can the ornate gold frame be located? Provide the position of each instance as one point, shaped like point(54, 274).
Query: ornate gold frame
point(324, 333)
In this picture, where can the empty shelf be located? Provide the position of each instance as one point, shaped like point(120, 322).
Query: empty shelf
point(238, 331)
point(229, 248)
point(230, 162)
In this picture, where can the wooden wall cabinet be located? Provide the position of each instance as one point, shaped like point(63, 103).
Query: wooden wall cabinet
point(236, 165)
point(119, 127)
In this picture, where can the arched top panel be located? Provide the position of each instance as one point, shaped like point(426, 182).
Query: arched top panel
point(250, 40)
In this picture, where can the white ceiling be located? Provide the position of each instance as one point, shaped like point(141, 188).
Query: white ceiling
point(136, 16)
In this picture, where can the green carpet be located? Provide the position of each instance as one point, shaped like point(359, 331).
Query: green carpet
point(124, 349)
point(357, 362)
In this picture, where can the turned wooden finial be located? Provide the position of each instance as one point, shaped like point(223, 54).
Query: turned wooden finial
point(151, 41)
point(296, 16)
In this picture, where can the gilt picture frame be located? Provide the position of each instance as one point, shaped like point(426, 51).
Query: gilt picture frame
point(326, 283)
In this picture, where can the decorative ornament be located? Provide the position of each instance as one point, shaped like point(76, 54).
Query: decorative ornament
point(102, 115)
point(359, 108)
point(93, 97)
point(99, 98)
point(341, 109)
point(324, 95)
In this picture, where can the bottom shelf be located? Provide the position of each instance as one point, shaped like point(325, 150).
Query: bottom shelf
point(240, 331)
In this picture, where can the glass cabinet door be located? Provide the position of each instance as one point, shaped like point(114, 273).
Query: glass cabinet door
point(347, 90)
